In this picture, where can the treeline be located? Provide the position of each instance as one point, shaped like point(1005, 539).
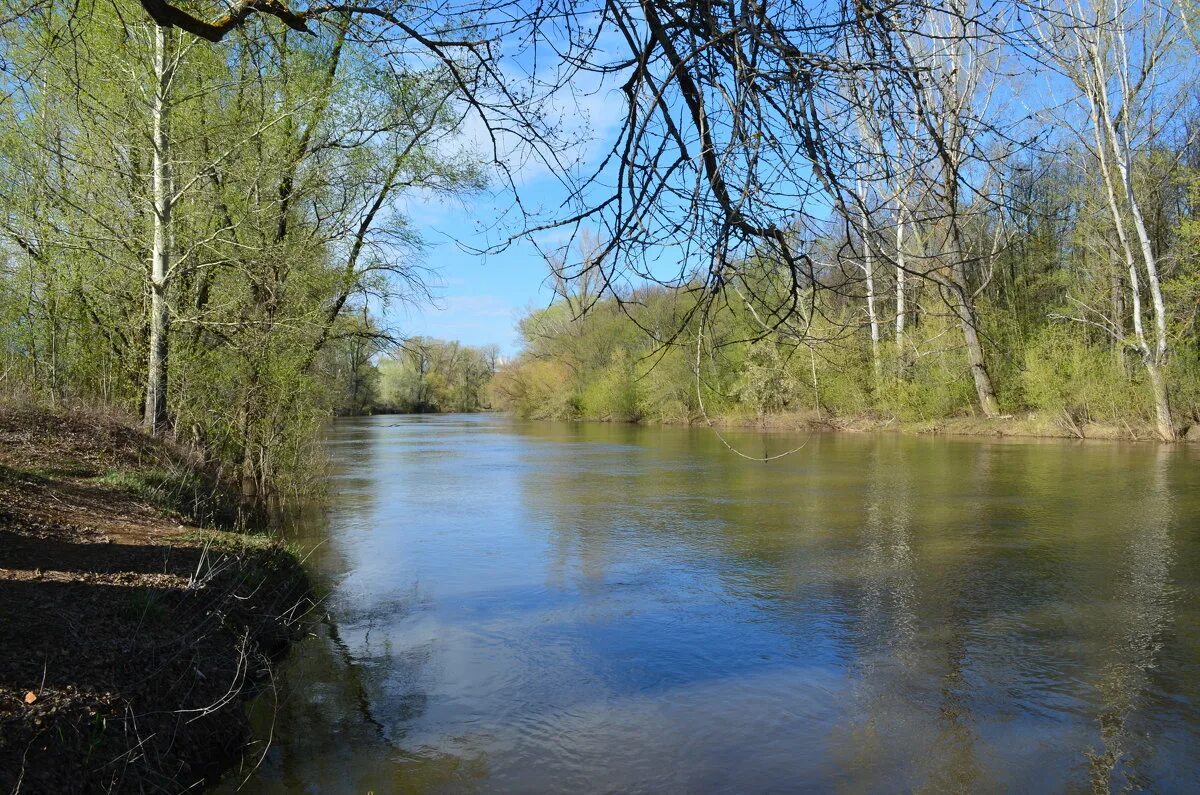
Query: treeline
point(908, 244)
point(421, 375)
point(1053, 303)
point(191, 232)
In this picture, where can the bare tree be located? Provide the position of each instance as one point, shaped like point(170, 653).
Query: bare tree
point(952, 90)
point(1125, 92)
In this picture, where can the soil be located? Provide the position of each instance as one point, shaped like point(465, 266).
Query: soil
point(129, 636)
point(1024, 426)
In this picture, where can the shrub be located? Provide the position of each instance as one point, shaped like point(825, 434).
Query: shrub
point(1066, 377)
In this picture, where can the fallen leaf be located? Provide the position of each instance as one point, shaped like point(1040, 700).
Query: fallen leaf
point(30, 697)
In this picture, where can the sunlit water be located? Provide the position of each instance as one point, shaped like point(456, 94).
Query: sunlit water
point(534, 607)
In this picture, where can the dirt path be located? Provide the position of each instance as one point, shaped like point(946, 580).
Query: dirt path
point(128, 637)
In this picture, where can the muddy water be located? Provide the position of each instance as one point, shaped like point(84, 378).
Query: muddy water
point(524, 607)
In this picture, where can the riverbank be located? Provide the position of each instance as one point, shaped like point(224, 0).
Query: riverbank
point(131, 630)
point(1019, 426)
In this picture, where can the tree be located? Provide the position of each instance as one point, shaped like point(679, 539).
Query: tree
point(1126, 96)
point(428, 375)
point(193, 244)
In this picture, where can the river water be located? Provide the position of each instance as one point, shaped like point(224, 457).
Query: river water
point(541, 607)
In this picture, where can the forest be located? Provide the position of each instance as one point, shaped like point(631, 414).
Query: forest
point(1054, 309)
point(421, 376)
point(902, 214)
point(193, 232)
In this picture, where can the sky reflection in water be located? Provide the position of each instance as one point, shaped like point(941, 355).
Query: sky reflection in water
point(539, 607)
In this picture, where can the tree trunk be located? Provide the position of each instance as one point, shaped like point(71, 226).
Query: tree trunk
point(872, 315)
point(900, 265)
point(1163, 421)
point(1117, 290)
point(1156, 359)
point(155, 420)
point(965, 309)
point(970, 328)
point(249, 483)
point(868, 266)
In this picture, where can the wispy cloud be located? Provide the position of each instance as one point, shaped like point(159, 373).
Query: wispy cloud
point(482, 319)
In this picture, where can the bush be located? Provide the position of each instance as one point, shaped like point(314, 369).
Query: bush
point(932, 387)
point(613, 393)
point(536, 389)
point(1066, 377)
point(767, 384)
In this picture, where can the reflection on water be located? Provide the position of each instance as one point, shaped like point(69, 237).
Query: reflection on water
point(524, 607)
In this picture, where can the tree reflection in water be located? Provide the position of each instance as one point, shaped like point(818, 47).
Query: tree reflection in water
point(546, 607)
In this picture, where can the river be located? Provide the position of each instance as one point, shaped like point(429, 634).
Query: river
point(586, 608)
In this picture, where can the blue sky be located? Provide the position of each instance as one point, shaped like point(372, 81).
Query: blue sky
point(479, 298)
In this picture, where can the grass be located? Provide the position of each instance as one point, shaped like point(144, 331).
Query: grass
point(180, 492)
point(154, 485)
point(240, 542)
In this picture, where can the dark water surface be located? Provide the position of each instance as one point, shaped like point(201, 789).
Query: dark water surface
point(536, 607)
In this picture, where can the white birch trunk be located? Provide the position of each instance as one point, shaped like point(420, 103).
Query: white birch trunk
point(872, 316)
point(900, 266)
point(868, 266)
point(155, 420)
point(1114, 143)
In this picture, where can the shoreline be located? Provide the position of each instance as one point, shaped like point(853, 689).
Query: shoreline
point(132, 631)
point(1018, 426)
point(1025, 426)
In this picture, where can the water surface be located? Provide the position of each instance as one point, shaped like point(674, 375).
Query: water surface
point(538, 607)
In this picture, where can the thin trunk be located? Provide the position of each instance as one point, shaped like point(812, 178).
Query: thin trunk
point(965, 309)
point(155, 420)
point(1117, 289)
point(1123, 148)
point(249, 483)
point(872, 317)
point(900, 266)
point(868, 266)
point(1154, 363)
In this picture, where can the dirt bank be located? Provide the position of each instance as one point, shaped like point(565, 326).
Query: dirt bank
point(129, 636)
point(1024, 425)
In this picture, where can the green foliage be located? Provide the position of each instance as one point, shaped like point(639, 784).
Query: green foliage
point(428, 375)
point(1065, 377)
point(1056, 371)
point(766, 384)
point(613, 394)
point(536, 389)
point(666, 387)
point(289, 153)
point(933, 386)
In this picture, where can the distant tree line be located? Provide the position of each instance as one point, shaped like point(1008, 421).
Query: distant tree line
point(419, 376)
